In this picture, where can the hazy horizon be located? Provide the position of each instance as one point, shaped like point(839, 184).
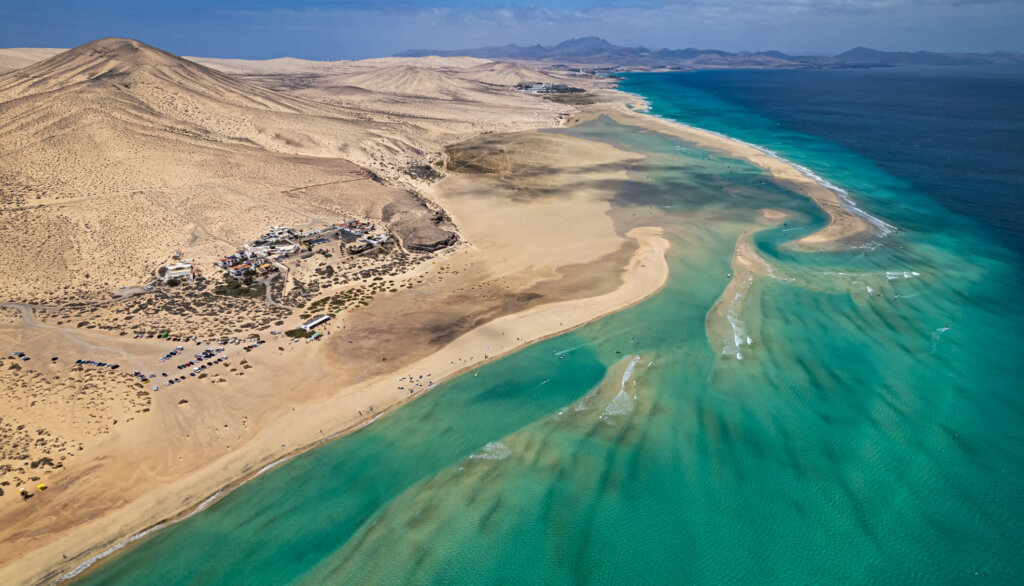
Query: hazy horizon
point(344, 29)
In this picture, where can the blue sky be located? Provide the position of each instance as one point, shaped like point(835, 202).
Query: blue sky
point(337, 29)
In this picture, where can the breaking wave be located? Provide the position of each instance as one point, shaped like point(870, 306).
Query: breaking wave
point(492, 451)
point(623, 402)
point(881, 227)
point(732, 344)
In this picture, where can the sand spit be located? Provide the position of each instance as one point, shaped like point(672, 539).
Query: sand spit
point(847, 223)
point(727, 333)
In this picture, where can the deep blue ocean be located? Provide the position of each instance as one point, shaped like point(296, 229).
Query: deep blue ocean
point(955, 134)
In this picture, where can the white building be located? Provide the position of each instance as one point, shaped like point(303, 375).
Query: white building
point(315, 321)
point(179, 270)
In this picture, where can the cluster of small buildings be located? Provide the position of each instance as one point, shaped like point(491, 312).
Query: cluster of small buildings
point(279, 242)
point(246, 261)
point(258, 256)
point(360, 236)
point(547, 88)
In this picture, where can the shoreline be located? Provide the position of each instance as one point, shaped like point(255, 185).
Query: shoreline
point(634, 289)
point(205, 504)
point(847, 221)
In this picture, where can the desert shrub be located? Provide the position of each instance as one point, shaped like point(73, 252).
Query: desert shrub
point(234, 288)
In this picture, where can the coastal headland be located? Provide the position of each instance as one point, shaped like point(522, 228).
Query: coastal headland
point(535, 253)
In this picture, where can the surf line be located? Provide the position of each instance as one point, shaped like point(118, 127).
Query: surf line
point(622, 402)
point(209, 501)
point(882, 227)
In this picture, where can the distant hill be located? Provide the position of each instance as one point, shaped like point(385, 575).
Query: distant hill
point(11, 59)
point(597, 52)
point(864, 55)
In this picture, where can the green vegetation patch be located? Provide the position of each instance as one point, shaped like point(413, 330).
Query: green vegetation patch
point(235, 288)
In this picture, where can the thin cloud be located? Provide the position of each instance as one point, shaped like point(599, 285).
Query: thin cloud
point(355, 29)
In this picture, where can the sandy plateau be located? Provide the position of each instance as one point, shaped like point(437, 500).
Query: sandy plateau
point(119, 158)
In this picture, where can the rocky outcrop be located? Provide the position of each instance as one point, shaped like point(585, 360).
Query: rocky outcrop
point(418, 227)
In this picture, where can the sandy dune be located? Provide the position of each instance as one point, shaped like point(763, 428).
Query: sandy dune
point(181, 149)
point(11, 59)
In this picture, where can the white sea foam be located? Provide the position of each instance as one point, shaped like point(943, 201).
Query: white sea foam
point(629, 371)
point(623, 402)
point(771, 272)
point(732, 344)
point(113, 549)
point(270, 466)
point(901, 274)
point(620, 405)
point(209, 501)
point(739, 336)
point(889, 275)
point(492, 451)
point(133, 538)
point(868, 247)
point(585, 402)
point(883, 228)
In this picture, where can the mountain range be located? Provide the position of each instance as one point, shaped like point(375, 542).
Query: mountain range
point(597, 52)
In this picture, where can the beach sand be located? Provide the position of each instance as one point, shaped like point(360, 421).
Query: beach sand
point(846, 224)
point(726, 330)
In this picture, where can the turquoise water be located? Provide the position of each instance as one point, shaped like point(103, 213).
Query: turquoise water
point(867, 427)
